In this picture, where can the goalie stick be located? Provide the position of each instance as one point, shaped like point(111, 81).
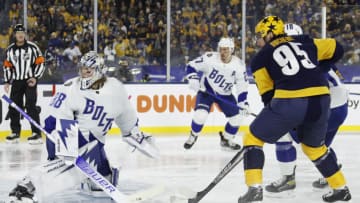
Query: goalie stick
point(239, 156)
point(12, 104)
point(95, 176)
point(111, 190)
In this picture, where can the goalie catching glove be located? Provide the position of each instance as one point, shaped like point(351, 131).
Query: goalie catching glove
point(143, 142)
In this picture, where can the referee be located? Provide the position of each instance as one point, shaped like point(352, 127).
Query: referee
point(23, 66)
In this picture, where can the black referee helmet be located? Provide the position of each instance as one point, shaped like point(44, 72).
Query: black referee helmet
point(19, 28)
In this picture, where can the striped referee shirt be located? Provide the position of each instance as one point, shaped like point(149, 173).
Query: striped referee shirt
point(23, 62)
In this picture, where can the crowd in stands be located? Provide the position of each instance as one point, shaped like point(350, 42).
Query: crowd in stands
point(135, 30)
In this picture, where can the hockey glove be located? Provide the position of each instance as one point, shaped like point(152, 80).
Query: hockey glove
point(194, 82)
point(244, 108)
point(143, 142)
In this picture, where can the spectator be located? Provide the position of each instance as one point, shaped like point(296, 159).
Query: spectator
point(123, 73)
point(52, 74)
point(13, 12)
point(121, 45)
point(4, 41)
point(109, 53)
point(208, 20)
point(55, 41)
point(72, 52)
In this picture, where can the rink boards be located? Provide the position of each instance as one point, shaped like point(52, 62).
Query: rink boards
point(168, 108)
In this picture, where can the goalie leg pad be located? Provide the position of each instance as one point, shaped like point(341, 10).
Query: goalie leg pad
point(53, 173)
point(88, 187)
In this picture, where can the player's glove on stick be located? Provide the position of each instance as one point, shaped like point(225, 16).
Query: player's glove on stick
point(194, 82)
point(244, 108)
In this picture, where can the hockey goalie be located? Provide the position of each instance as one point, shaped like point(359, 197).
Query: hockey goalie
point(80, 115)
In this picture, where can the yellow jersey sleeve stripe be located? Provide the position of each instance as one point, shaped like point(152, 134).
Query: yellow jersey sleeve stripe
point(325, 48)
point(306, 92)
point(263, 80)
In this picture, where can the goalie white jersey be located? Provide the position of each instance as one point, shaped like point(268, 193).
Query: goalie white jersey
point(222, 78)
point(93, 109)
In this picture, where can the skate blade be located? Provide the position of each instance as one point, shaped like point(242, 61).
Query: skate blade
point(326, 188)
point(281, 195)
point(23, 200)
point(227, 149)
point(12, 141)
point(35, 142)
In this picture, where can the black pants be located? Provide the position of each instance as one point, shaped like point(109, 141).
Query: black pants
point(19, 88)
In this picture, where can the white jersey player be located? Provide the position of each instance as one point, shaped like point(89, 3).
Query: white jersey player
point(95, 102)
point(218, 77)
point(286, 152)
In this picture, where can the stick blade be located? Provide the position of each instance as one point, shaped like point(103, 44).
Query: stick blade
point(193, 200)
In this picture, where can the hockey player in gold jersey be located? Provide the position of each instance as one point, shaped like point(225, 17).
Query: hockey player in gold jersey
point(295, 92)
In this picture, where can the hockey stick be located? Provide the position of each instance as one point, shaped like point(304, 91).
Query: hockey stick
point(82, 165)
point(111, 190)
point(353, 93)
point(100, 181)
point(231, 165)
point(225, 101)
point(12, 104)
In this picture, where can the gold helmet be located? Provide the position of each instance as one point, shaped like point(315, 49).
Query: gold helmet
point(270, 24)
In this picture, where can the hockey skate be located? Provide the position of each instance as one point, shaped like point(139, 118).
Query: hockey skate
point(190, 141)
point(254, 194)
point(35, 138)
point(226, 142)
point(23, 192)
point(88, 187)
point(13, 138)
point(321, 183)
point(337, 195)
point(285, 185)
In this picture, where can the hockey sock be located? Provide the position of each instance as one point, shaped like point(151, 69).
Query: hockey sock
point(325, 161)
point(232, 130)
point(286, 155)
point(254, 160)
point(196, 128)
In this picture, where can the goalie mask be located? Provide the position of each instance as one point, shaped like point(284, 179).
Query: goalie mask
point(91, 69)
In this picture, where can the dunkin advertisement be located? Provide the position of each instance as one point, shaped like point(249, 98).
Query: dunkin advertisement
point(168, 108)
